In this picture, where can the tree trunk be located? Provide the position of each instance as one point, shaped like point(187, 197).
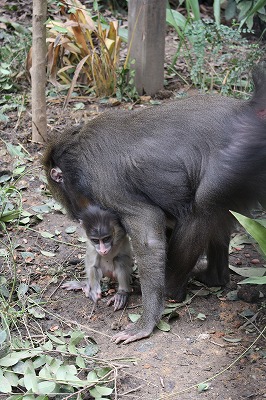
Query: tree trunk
point(38, 71)
point(146, 26)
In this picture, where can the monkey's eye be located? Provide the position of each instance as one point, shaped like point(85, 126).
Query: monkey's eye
point(95, 241)
point(107, 239)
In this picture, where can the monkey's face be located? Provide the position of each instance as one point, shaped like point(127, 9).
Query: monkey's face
point(102, 244)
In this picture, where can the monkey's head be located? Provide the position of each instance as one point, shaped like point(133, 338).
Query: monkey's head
point(100, 227)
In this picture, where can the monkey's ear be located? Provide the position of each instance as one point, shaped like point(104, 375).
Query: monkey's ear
point(80, 221)
point(56, 174)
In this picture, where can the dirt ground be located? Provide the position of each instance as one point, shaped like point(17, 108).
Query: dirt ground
point(220, 347)
point(217, 337)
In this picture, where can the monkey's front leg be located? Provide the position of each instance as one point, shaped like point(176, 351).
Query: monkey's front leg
point(149, 249)
point(122, 272)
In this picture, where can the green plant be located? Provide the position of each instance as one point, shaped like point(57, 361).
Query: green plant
point(246, 10)
point(257, 229)
point(13, 52)
point(218, 57)
point(83, 49)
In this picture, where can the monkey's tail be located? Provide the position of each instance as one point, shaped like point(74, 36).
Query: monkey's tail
point(236, 177)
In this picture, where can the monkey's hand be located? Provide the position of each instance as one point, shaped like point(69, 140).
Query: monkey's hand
point(133, 332)
point(119, 300)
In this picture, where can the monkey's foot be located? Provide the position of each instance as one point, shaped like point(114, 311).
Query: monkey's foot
point(131, 334)
point(213, 278)
point(119, 300)
point(177, 293)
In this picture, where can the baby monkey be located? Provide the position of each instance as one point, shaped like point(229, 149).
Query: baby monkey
point(108, 254)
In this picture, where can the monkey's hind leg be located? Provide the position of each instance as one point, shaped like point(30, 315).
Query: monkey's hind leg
point(217, 271)
point(187, 244)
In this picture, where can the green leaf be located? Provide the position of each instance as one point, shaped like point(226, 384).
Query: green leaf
point(45, 372)
point(91, 349)
point(248, 271)
point(76, 337)
point(256, 280)
point(232, 340)
point(72, 349)
point(24, 221)
point(201, 316)
point(42, 209)
point(5, 386)
point(134, 317)
point(36, 312)
point(101, 372)
point(101, 390)
point(3, 336)
point(55, 338)
point(254, 228)
point(70, 229)
point(80, 362)
point(47, 345)
point(202, 387)
point(47, 235)
point(46, 387)
point(12, 378)
point(92, 377)
point(48, 253)
point(19, 170)
point(163, 326)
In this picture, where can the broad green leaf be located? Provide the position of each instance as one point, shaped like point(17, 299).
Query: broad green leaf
point(202, 387)
point(76, 337)
point(101, 372)
point(15, 151)
point(70, 229)
point(134, 317)
point(47, 235)
point(39, 361)
point(45, 372)
point(19, 170)
point(12, 378)
point(101, 390)
point(254, 228)
point(92, 376)
point(42, 209)
point(248, 271)
point(5, 386)
point(36, 312)
point(30, 382)
point(91, 349)
point(201, 317)
point(72, 349)
point(80, 362)
point(46, 387)
point(256, 280)
point(47, 345)
point(3, 336)
point(24, 221)
point(55, 338)
point(15, 356)
point(163, 326)
point(175, 18)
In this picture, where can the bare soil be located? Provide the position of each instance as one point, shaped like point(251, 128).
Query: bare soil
point(171, 364)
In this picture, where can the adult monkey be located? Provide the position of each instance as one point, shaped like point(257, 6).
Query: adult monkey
point(191, 160)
